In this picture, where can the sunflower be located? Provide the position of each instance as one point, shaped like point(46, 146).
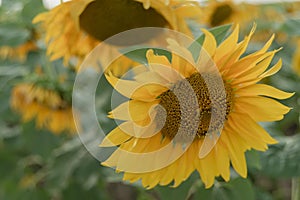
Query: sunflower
point(64, 38)
point(49, 109)
point(296, 59)
point(217, 13)
point(19, 53)
point(73, 29)
point(164, 135)
point(291, 8)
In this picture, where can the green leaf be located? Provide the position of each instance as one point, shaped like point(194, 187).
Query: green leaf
point(181, 192)
point(282, 160)
point(31, 9)
point(238, 188)
point(291, 26)
point(233, 190)
point(138, 54)
point(253, 159)
point(13, 34)
point(62, 168)
point(219, 33)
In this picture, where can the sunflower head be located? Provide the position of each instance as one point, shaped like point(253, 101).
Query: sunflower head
point(76, 27)
point(217, 13)
point(185, 114)
point(19, 52)
point(46, 106)
point(111, 19)
point(62, 35)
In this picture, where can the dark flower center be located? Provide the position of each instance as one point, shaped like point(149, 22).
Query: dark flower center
point(220, 15)
point(187, 108)
point(105, 18)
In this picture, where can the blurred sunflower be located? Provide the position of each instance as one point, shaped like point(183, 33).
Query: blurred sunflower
point(292, 8)
point(75, 28)
point(49, 109)
point(270, 18)
point(18, 53)
point(142, 140)
point(217, 13)
point(296, 58)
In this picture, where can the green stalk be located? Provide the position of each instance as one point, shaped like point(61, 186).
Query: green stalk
point(296, 188)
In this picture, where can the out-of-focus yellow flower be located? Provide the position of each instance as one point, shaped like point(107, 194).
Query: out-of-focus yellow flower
point(45, 106)
point(292, 8)
point(75, 28)
point(64, 38)
point(296, 59)
point(18, 53)
point(147, 143)
point(217, 13)
point(268, 17)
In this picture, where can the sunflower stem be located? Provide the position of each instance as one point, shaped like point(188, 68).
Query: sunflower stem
point(296, 188)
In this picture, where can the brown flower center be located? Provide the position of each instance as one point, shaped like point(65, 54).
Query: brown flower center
point(220, 15)
point(187, 107)
point(105, 18)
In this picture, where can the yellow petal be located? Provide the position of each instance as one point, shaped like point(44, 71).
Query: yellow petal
point(267, 45)
point(135, 90)
point(242, 46)
point(182, 59)
point(252, 78)
point(273, 70)
point(236, 153)
point(261, 109)
point(263, 90)
point(131, 177)
point(245, 64)
point(251, 131)
point(210, 166)
point(227, 46)
point(207, 179)
point(210, 43)
point(222, 161)
point(115, 138)
point(162, 66)
point(133, 110)
point(148, 77)
point(168, 175)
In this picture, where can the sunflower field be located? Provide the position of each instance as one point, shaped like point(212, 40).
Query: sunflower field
point(149, 100)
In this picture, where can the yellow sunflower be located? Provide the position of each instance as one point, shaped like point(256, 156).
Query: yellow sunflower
point(161, 150)
point(44, 105)
point(73, 29)
point(217, 13)
point(19, 53)
point(65, 40)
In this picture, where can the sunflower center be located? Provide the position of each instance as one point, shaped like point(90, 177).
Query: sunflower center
point(220, 15)
point(188, 105)
point(105, 18)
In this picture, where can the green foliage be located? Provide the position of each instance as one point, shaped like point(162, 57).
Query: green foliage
point(36, 164)
point(13, 34)
point(291, 26)
point(282, 160)
point(234, 189)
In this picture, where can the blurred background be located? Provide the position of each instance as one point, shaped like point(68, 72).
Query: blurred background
point(47, 160)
